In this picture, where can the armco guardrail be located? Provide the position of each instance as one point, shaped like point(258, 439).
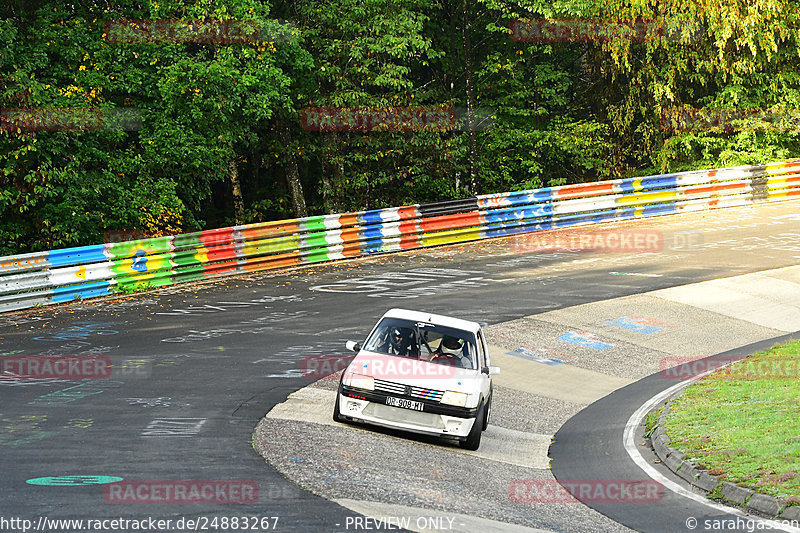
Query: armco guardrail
point(56, 276)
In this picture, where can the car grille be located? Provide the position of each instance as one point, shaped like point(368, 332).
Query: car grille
point(400, 390)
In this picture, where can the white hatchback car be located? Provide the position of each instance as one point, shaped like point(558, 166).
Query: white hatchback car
point(422, 373)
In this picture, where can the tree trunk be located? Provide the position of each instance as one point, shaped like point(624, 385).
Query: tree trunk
point(292, 173)
point(236, 188)
point(472, 134)
point(331, 173)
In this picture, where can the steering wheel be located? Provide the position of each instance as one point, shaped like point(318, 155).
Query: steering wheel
point(449, 357)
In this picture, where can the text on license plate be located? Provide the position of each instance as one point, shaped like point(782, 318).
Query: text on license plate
point(405, 404)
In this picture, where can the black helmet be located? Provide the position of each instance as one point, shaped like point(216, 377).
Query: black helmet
point(400, 337)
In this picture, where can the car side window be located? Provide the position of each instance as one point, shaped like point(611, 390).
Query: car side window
point(481, 352)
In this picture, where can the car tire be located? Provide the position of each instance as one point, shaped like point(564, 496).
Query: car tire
point(488, 413)
point(473, 440)
point(336, 416)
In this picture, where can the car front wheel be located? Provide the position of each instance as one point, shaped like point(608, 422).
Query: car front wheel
point(473, 440)
point(488, 413)
point(336, 416)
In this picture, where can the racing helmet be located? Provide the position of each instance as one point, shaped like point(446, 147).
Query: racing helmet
point(399, 338)
point(451, 344)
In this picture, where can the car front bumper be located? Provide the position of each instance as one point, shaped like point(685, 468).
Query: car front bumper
point(435, 419)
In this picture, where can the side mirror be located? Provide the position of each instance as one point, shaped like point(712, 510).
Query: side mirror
point(491, 370)
point(353, 346)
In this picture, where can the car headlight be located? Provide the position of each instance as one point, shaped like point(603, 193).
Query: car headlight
point(360, 381)
point(459, 399)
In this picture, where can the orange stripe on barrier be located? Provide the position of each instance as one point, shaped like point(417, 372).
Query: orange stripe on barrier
point(269, 229)
point(351, 249)
point(576, 191)
point(272, 261)
point(348, 219)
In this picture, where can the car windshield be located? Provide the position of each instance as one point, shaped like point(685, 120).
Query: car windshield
point(424, 341)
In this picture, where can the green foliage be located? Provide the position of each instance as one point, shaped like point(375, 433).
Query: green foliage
point(205, 116)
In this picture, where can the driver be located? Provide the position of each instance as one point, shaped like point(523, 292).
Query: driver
point(451, 347)
point(401, 342)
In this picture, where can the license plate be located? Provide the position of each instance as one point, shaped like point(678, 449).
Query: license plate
point(405, 404)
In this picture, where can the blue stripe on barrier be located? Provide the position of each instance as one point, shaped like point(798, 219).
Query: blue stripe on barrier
point(491, 201)
point(627, 186)
point(501, 230)
point(633, 185)
point(517, 213)
point(371, 217)
point(84, 290)
point(79, 255)
point(660, 209)
point(374, 232)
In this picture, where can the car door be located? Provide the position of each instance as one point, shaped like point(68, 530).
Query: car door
point(483, 362)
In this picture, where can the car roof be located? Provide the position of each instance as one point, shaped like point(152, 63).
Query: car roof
point(440, 320)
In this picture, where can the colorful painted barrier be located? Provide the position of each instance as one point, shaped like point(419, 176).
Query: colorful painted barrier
point(56, 276)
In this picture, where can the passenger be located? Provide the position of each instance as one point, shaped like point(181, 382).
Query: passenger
point(401, 342)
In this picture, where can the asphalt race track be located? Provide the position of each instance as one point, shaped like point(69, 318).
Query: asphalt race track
point(196, 368)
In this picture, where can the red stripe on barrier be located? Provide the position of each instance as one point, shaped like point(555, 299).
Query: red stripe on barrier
point(715, 188)
point(409, 235)
point(460, 220)
point(407, 213)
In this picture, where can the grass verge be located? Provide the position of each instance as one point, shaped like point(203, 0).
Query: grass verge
point(742, 423)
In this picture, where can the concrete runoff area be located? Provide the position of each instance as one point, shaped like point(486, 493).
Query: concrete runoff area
point(771, 301)
point(663, 325)
point(584, 386)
